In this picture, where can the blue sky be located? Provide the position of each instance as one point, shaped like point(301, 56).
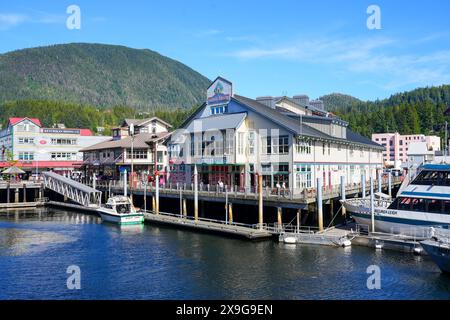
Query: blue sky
point(264, 47)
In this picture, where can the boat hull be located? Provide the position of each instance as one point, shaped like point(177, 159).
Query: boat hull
point(414, 224)
point(438, 253)
point(133, 218)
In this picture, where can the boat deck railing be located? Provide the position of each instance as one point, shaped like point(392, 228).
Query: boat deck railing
point(407, 233)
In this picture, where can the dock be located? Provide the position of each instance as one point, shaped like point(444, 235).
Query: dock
point(252, 232)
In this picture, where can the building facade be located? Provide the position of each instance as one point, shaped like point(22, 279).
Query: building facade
point(36, 148)
point(397, 146)
point(145, 150)
point(290, 142)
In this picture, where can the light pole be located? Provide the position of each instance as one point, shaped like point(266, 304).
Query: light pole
point(132, 157)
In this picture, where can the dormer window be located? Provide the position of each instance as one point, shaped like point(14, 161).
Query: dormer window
point(218, 110)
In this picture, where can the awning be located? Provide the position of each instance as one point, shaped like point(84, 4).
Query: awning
point(217, 122)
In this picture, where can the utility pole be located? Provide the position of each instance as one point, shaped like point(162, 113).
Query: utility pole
point(132, 156)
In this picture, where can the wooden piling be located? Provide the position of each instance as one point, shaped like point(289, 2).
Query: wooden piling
point(230, 212)
point(195, 193)
point(260, 202)
point(319, 204)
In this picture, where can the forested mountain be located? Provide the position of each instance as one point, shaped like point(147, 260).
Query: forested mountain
point(100, 75)
point(417, 111)
point(84, 116)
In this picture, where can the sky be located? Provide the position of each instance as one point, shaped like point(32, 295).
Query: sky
point(265, 47)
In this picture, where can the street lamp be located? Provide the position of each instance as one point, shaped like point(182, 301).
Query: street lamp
point(132, 156)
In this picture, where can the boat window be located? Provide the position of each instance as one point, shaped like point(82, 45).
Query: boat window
point(394, 204)
point(418, 205)
point(435, 206)
point(404, 204)
point(447, 206)
point(123, 208)
point(436, 178)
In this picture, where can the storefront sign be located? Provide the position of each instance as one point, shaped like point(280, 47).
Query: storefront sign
point(219, 92)
point(63, 131)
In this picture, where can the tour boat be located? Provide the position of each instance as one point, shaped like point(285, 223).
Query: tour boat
point(423, 203)
point(119, 209)
point(439, 251)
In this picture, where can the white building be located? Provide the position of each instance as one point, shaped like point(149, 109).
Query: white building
point(110, 157)
point(33, 147)
point(232, 138)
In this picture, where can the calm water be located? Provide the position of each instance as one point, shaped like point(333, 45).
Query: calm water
point(161, 263)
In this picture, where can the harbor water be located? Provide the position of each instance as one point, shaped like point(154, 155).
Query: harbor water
point(151, 262)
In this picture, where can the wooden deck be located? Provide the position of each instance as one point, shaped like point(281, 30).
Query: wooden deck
point(209, 226)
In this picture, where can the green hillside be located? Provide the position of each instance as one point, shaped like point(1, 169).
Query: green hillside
point(417, 111)
point(100, 75)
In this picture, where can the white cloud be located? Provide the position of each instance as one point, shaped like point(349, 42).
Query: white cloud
point(10, 20)
point(374, 57)
point(207, 33)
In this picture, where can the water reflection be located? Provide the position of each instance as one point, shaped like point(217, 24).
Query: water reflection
point(150, 262)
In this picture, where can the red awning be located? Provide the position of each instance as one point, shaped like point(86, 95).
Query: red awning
point(43, 164)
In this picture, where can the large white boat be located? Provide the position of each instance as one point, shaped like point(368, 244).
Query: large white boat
point(423, 203)
point(119, 209)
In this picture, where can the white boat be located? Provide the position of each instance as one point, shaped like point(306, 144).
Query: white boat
point(423, 203)
point(120, 210)
point(439, 251)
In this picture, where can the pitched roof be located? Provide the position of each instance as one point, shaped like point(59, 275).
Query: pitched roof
point(141, 122)
point(14, 121)
point(304, 130)
point(217, 122)
point(284, 121)
point(140, 142)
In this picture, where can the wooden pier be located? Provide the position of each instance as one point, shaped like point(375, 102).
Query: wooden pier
point(252, 232)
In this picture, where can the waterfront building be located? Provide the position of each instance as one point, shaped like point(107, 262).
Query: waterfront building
point(289, 141)
point(397, 146)
point(109, 158)
point(37, 148)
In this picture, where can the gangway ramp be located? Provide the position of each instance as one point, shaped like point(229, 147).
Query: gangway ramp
point(75, 191)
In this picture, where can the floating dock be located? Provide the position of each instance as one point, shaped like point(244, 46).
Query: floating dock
point(207, 225)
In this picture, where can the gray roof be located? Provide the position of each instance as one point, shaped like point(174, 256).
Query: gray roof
point(140, 142)
point(141, 122)
point(293, 125)
point(217, 122)
point(284, 121)
point(357, 138)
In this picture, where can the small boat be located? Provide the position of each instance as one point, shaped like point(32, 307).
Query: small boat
point(119, 209)
point(439, 252)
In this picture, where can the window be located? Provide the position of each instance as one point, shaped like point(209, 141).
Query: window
point(218, 109)
point(266, 145)
point(66, 156)
point(251, 143)
point(26, 140)
point(303, 146)
point(229, 142)
point(303, 176)
point(137, 154)
point(283, 145)
point(241, 143)
point(266, 168)
point(58, 141)
point(26, 156)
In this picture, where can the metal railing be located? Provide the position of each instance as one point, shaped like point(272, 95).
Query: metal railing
point(409, 233)
point(215, 221)
point(243, 192)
